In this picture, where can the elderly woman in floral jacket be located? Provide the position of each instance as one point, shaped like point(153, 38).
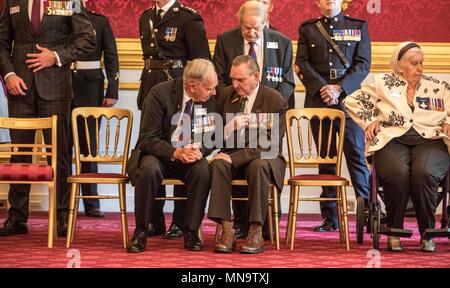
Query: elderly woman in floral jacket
point(406, 117)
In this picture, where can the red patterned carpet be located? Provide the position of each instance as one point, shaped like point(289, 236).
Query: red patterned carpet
point(98, 244)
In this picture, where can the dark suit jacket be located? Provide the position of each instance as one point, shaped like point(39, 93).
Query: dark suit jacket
point(231, 44)
point(72, 37)
point(267, 100)
point(88, 83)
point(162, 103)
point(190, 42)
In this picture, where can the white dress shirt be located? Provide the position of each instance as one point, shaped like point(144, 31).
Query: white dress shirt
point(165, 8)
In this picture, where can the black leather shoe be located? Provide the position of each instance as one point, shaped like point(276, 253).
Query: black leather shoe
point(192, 242)
point(327, 226)
point(12, 227)
point(138, 243)
point(62, 226)
point(174, 231)
point(240, 233)
point(155, 230)
point(96, 213)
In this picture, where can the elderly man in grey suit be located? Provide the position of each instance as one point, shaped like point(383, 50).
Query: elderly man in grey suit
point(273, 52)
point(37, 45)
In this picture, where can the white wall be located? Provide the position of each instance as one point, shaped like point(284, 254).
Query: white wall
point(127, 99)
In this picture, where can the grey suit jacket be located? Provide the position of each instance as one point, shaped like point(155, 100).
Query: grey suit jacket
point(267, 101)
point(72, 37)
point(231, 44)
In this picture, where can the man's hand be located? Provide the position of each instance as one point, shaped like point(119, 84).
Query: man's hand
point(15, 85)
point(39, 61)
point(222, 156)
point(372, 130)
point(188, 154)
point(109, 102)
point(446, 129)
point(330, 94)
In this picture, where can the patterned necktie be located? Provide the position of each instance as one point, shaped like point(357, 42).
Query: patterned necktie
point(186, 131)
point(36, 16)
point(242, 103)
point(252, 51)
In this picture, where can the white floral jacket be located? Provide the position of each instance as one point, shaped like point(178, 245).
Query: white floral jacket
point(385, 100)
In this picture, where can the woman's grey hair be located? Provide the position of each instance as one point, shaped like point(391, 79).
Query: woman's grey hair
point(402, 53)
point(253, 8)
point(199, 70)
point(251, 63)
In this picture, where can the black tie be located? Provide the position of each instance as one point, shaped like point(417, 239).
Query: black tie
point(159, 16)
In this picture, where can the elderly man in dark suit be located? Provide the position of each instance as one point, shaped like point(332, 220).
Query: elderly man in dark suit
point(88, 87)
point(273, 52)
point(246, 97)
point(329, 77)
point(37, 46)
point(171, 35)
point(168, 146)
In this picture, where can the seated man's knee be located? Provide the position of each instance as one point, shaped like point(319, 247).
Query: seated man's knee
point(150, 167)
point(258, 165)
point(201, 167)
point(219, 164)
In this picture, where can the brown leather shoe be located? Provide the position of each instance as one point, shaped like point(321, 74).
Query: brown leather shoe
point(255, 242)
point(227, 242)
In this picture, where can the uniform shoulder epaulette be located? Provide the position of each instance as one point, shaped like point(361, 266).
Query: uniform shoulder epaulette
point(310, 21)
point(149, 9)
point(352, 18)
point(189, 9)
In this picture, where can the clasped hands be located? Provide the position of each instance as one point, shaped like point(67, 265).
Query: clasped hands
point(188, 154)
point(330, 94)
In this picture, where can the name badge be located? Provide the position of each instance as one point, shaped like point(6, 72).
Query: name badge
point(395, 94)
point(14, 10)
point(272, 45)
point(200, 111)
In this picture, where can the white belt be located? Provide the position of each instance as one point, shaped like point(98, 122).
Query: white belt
point(85, 65)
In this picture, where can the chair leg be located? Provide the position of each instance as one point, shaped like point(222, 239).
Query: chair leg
point(291, 205)
point(123, 214)
point(218, 233)
point(344, 207)
point(275, 211)
point(294, 216)
point(339, 214)
point(70, 226)
point(51, 215)
point(200, 232)
point(269, 214)
point(76, 208)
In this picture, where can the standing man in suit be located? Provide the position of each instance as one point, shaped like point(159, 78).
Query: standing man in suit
point(166, 148)
point(329, 75)
point(88, 88)
point(37, 46)
point(247, 95)
point(171, 35)
point(273, 52)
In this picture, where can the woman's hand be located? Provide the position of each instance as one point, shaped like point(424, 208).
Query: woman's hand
point(373, 129)
point(446, 129)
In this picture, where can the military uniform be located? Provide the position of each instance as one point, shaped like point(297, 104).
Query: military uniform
point(88, 87)
point(180, 36)
point(320, 65)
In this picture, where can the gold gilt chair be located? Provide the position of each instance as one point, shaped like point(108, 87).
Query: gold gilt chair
point(305, 153)
point(272, 210)
point(103, 155)
point(32, 173)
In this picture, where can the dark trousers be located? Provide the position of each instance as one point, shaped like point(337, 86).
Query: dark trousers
point(157, 214)
point(87, 167)
point(151, 173)
point(354, 146)
point(411, 171)
point(258, 174)
point(33, 106)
